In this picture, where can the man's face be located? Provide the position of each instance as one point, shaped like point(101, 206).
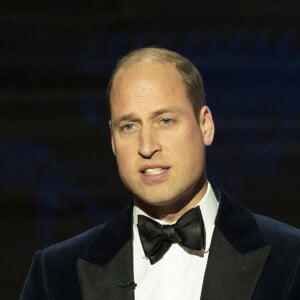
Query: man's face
point(158, 142)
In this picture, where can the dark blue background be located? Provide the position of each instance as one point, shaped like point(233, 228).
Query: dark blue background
point(57, 174)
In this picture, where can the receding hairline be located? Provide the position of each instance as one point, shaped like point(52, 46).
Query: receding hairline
point(140, 63)
point(151, 54)
point(188, 72)
point(147, 55)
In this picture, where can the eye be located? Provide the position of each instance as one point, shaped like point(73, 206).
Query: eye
point(127, 127)
point(166, 121)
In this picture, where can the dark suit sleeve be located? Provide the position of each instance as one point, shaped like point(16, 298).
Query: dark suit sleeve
point(34, 287)
point(294, 293)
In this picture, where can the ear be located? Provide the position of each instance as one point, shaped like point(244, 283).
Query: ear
point(112, 139)
point(207, 125)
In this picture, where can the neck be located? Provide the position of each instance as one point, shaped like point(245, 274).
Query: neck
point(170, 213)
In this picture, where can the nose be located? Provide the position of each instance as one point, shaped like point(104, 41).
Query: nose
point(148, 143)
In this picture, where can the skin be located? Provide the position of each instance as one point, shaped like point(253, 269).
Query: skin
point(153, 126)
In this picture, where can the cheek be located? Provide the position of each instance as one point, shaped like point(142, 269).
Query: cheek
point(124, 156)
point(187, 141)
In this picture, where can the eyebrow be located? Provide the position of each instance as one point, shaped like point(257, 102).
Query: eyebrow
point(133, 116)
point(126, 117)
point(165, 110)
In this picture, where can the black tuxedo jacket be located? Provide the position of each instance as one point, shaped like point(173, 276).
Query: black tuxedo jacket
point(251, 257)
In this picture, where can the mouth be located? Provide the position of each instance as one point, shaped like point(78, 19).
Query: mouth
point(154, 174)
point(154, 171)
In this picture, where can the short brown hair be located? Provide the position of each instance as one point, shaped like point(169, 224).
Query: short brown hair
point(186, 69)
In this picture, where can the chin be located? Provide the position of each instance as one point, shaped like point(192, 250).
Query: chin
point(153, 202)
point(159, 203)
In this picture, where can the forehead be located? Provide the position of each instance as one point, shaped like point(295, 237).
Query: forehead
point(146, 76)
point(148, 87)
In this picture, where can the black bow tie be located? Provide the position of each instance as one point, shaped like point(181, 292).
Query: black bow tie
point(156, 239)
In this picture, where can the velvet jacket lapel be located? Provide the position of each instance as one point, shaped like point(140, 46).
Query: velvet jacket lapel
point(237, 254)
point(106, 269)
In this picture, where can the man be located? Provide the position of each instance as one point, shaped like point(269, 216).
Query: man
point(179, 239)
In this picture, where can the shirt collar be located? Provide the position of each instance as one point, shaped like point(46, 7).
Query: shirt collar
point(209, 207)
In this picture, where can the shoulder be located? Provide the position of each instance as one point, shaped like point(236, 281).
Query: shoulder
point(103, 235)
point(68, 249)
point(248, 230)
point(278, 233)
point(54, 268)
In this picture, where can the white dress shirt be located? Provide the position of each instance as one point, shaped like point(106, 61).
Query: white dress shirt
point(179, 274)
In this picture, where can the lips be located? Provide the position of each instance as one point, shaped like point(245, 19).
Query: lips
point(154, 174)
point(153, 171)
